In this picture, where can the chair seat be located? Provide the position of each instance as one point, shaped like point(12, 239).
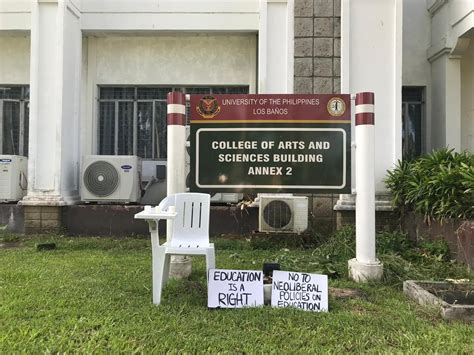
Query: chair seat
point(187, 250)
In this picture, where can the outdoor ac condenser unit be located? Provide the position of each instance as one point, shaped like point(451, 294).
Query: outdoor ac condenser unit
point(111, 178)
point(283, 213)
point(226, 197)
point(13, 181)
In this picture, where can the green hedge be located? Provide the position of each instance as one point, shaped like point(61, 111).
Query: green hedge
point(439, 185)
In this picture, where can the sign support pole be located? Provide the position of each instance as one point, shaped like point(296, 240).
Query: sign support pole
point(365, 266)
point(175, 171)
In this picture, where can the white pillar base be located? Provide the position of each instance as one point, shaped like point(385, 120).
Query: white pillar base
point(180, 267)
point(361, 272)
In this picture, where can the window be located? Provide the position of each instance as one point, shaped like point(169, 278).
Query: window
point(412, 122)
point(14, 118)
point(132, 120)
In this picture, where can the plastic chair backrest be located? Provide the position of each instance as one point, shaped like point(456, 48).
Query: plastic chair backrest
point(167, 202)
point(191, 225)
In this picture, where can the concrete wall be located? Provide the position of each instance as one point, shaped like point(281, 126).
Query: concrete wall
point(416, 69)
point(467, 98)
point(416, 40)
point(439, 25)
point(117, 220)
point(15, 59)
point(461, 17)
point(171, 15)
point(15, 15)
point(452, 28)
point(182, 59)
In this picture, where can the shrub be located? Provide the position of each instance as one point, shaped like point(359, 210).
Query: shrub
point(439, 185)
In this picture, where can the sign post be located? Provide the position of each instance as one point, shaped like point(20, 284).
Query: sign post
point(175, 170)
point(365, 266)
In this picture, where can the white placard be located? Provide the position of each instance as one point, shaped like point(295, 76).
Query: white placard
point(234, 288)
point(295, 289)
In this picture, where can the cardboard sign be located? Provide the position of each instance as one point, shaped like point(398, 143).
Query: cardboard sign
point(305, 291)
point(235, 288)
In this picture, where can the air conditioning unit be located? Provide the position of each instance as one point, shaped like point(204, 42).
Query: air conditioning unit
point(283, 213)
point(220, 197)
point(13, 181)
point(111, 178)
point(226, 197)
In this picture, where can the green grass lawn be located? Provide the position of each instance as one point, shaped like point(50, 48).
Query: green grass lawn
point(94, 295)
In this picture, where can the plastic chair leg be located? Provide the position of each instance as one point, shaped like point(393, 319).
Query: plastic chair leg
point(210, 260)
point(158, 269)
point(166, 269)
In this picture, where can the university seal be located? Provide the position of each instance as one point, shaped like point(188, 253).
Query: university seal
point(208, 107)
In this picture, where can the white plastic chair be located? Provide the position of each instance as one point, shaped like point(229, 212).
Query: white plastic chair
point(189, 235)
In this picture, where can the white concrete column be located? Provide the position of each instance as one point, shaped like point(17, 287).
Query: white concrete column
point(453, 103)
point(55, 77)
point(276, 47)
point(371, 60)
point(467, 102)
point(446, 101)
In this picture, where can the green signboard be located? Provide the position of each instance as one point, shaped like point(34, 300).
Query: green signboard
point(270, 143)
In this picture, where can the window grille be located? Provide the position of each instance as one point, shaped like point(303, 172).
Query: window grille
point(14, 119)
point(412, 122)
point(132, 120)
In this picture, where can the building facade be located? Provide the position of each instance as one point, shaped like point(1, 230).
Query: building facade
point(81, 77)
